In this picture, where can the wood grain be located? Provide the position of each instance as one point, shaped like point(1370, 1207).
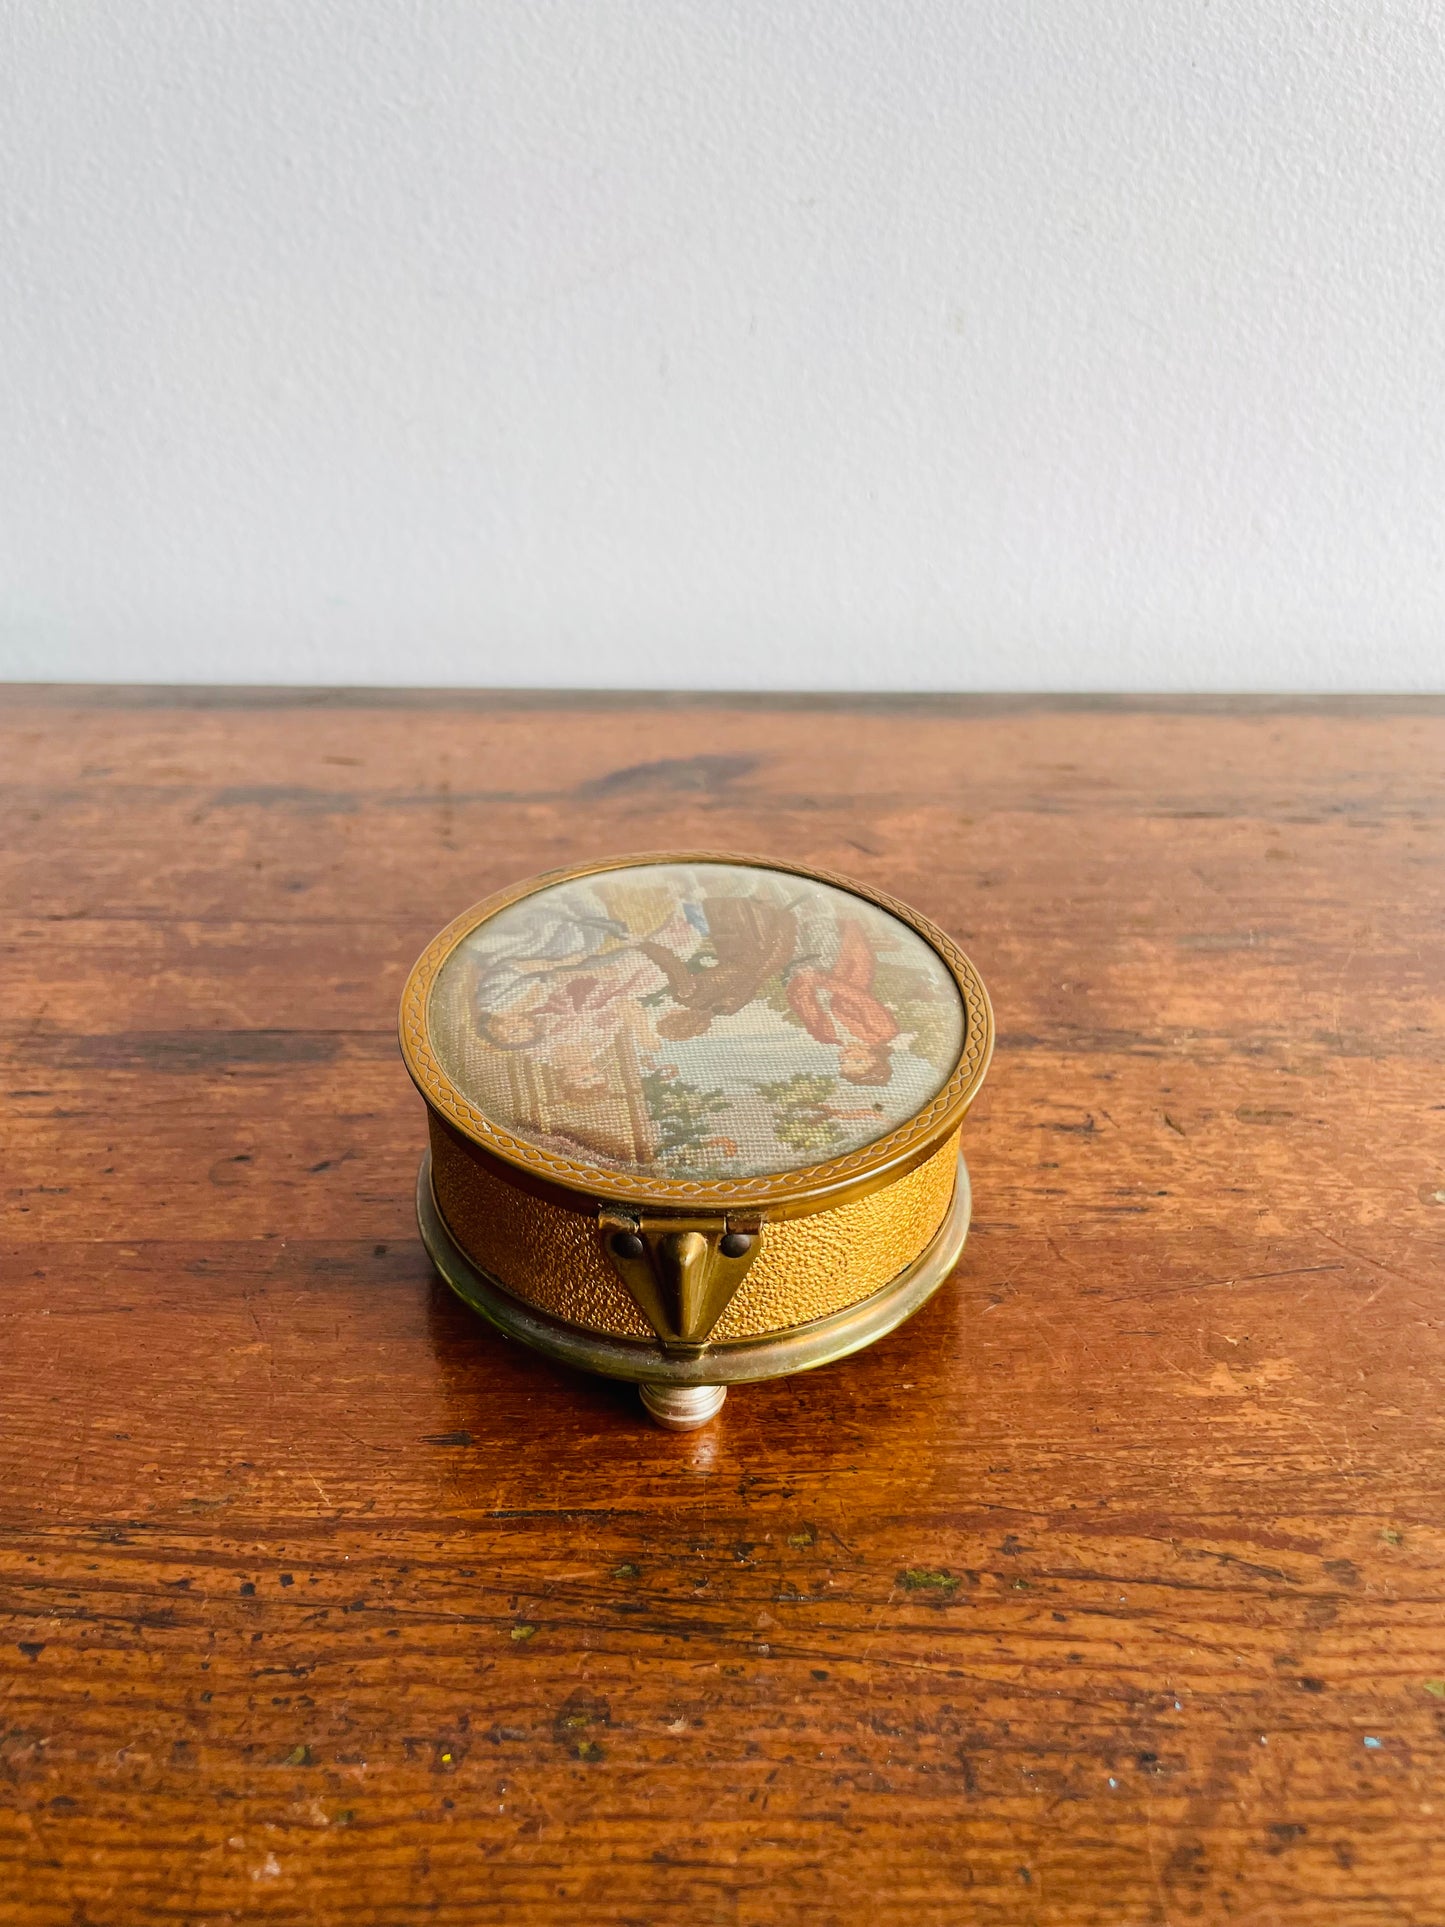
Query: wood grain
point(1108, 1593)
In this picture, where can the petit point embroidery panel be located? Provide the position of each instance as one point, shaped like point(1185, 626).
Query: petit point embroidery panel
point(696, 1020)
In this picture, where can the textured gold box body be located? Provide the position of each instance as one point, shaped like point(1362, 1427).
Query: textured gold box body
point(694, 1118)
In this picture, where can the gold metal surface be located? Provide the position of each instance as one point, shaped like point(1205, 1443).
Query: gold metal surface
point(780, 1194)
point(551, 1256)
point(817, 1343)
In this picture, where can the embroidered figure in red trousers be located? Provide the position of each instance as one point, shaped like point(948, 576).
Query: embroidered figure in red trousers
point(838, 1007)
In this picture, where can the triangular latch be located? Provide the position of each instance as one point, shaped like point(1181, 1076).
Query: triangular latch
point(682, 1272)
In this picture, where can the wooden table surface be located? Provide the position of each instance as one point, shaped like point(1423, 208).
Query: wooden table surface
point(1110, 1590)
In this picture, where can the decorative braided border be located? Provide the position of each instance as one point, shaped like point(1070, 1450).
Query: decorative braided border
point(925, 1128)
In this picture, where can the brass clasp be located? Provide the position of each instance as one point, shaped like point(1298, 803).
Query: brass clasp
point(682, 1272)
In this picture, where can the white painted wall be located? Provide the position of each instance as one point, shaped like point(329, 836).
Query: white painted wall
point(909, 344)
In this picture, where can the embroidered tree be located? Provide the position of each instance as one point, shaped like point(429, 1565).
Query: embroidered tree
point(684, 1114)
point(803, 1111)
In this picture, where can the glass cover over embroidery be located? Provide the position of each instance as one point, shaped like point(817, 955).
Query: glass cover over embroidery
point(699, 1020)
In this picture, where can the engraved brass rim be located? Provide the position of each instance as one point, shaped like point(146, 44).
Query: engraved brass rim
point(733, 1362)
point(808, 1188)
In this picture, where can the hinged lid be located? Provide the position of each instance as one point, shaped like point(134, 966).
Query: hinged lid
point(698, 1032)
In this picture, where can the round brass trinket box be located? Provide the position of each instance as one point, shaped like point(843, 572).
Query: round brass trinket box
point(694, 1118)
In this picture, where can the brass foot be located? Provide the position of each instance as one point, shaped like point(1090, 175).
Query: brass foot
point(682, 1408)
